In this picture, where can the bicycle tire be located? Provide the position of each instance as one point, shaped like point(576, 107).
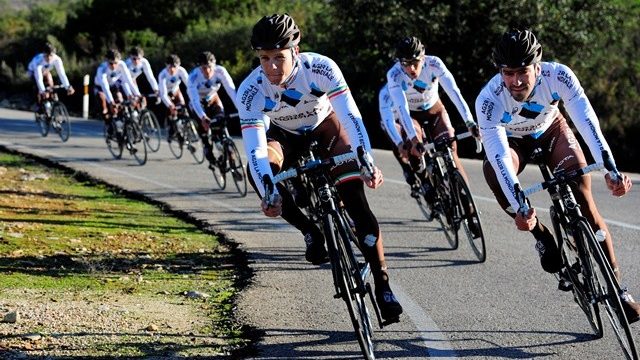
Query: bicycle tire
point(114, 145)
point(43, 124)
point(464, 197)
point(350, 284)
point(176, 142)
point(193, 142)
point(60, 121)
point(235, 167)
point(608, 290)
point(137, 145)
point(219, 166)
point(150, 129)
point(576, 270)
point(443, 208)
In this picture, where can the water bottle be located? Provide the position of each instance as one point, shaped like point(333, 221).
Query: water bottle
point(134, 115)
point(601, 235)
point(119, 125)
point(47, 107)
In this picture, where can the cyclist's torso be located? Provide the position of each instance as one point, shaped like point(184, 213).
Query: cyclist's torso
point(172, 82)
point(422, 92)
point(206, 87)
point(142, 67)
point(112, 76)
point(40, 61)
point(303, 103)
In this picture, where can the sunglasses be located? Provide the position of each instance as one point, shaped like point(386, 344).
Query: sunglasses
point(113, 62)
point(410, 62)
point(135, 58)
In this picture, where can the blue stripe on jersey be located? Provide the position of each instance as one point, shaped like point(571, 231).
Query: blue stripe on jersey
point(506, 118)
point(315, 90)
point(555, 96)
point(530, 110)
point(291, 97)
point(404, 86)
point(537, 134)
point(268, 104)
point(420, 86)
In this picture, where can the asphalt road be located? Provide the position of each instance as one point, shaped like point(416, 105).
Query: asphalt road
point(454, 308)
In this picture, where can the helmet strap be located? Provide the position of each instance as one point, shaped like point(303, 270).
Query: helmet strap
point(294, 70)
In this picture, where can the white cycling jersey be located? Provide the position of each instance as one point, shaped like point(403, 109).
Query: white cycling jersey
point(39, 64)
point(500, 116)
point(105, 78)
point(389, 116)
point(422, 93)
point(315, 88)
point(200, 88)
point(169, 84)
point(143, 67)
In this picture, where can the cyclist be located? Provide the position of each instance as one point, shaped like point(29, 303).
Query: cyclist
point(110, 80)
point(390, 122)
point(413, 83)
point(204, 82)
point(137, 64)
point(291, 92)
point(169, 81)
point(39, 69)
point(518, 112)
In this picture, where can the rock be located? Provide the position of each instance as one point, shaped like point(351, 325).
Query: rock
point(32, 337)
point(11, 317)
point(192, 294)
point(152, 327)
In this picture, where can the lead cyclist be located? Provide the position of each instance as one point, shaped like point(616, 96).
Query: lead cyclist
point(518, 112)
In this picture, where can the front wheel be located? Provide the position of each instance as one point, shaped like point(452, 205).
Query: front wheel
point(113, 140)
point(136, 144)
point(193, 142)
point(606, 290)
point(176, 141)
point(469, 217)
point(444, 207)
point(60, 121)
point(150, 129)
point(43, 124)
point(236, 168)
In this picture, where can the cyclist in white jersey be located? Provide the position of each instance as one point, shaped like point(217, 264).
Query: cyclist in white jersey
point(291, 93)
point(391, 124)
point(138, 64)
point(518, 112)
point(413, 83)
point(204, 82)
point(169, 81)
point(39, 69)
point(111, 77)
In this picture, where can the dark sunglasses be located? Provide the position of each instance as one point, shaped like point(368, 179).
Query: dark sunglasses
point(409, 62)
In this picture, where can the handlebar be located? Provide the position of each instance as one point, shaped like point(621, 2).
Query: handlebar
point(314, 165)
point(446, 141)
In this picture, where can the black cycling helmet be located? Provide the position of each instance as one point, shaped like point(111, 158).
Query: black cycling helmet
point(49, 49)
point(172, 59)
point(136, 51)
point(409, 48)
point(206, 57)
point(275, 32)
point(517, 48)
point(113, 55)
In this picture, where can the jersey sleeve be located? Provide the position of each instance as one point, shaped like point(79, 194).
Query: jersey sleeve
point(57, 63)
point(580, 111)
point(387, 117)
point(451, 88)
point(162, 88)
point(128, 80)
point(496, 145)
point(396, 91)
point(253, 123)
point(37, 74)
point(228, 84)
point(146, 67)
point(194, 96)
point(103, 82)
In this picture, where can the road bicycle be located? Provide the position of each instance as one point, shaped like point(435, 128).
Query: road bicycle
point(586, 269)
point(183, 133)
point(226, 157)
point(148, 122)
point(350, 277)
point(53, 114)
point(124, 132)
point(447, 198)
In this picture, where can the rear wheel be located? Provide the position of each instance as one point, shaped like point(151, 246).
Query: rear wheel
point(176, 142)
point(443, 208)
point(469, 217)
point(606, 290)
point(60, 121)
point(43, 124)
point(219, 170)
point(113, 144)
point(236, 169)
point(193, 142)
point(150, 129)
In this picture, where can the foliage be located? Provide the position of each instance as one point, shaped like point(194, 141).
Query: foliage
point(360, 35)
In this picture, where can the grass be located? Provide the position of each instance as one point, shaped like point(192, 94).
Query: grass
point(65, 236)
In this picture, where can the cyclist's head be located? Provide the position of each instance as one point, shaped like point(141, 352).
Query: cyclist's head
point(410, 54)
point(173, 60)
point(409, 49)
point(136, 53)
point(206, 58)
point(517, 48)
point(113, 56)
point(275, 32)
point(49, 49)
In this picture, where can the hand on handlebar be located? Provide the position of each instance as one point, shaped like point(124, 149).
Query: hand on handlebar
point(372, 180)
point(272, 205)
point(620, 186)
point(70, 90)
point(526, 221)
point(205, 121)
